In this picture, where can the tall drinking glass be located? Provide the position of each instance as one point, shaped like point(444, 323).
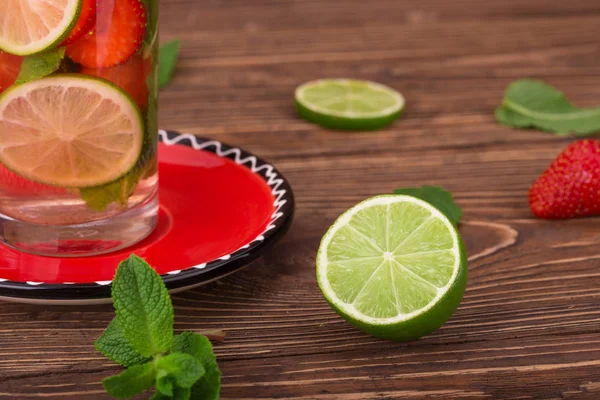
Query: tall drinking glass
point(78, 124)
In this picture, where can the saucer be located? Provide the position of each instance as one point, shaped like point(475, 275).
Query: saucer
point(220, 209)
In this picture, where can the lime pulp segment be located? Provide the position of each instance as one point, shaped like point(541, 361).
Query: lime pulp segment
point(349, 104)
point(390, 260)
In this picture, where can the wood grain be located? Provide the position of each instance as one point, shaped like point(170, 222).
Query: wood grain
point(529, 325)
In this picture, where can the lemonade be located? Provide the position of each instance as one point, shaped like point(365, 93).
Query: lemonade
point(78, 124)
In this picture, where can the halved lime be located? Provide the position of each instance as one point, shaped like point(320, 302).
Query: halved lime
point(69, 131)
point(32, 26)
point(349, 104)
point(394, 266)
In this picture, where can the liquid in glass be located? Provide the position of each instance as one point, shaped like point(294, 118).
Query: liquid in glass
point(78, 124)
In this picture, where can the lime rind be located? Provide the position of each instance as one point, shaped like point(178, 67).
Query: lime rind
point(104, 87)
point(429, 299)
point(349, 104)
point(53, 39)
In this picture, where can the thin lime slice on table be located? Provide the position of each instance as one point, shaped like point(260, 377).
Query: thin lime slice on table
point(349, 104)
point(394, 266)
point(32, 26)
point(69, 131)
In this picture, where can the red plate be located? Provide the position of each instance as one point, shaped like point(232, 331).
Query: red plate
point(220, 207)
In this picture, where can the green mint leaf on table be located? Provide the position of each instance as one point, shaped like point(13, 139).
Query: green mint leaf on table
point(131, 382)
point(178, 394)
point(168, 55)
point(437, 197)
point(113, 344)
point(39, 65)
point(530, 103)
point(183, 368)
point(143, 307)
point(198, 346)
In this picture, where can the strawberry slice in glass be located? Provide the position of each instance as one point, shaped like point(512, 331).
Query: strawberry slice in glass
point(10, 66)
point(85, 23)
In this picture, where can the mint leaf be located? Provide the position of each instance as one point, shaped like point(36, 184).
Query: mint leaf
point(198, 346)
point(131, 382)
point(100, 197)
point(530, 103)
point(164, 383)
point(119, 191)
point(39, 65)
point(184, 368)
point(178, 394)
point(160, 396)
point(182, 393)
point(168, 55)
point(114, 345)
point(143, 307)
point(437, 197)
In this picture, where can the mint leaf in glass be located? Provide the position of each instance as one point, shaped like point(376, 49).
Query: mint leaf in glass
point(198, 346)
point(131, 382)
point(143, 307)
point(184, 368)
point(168, 56)
point(119, 191)
point(39, 65)
point(114, 345)
point(438, 197)
point(100, 197)
point(531, 103)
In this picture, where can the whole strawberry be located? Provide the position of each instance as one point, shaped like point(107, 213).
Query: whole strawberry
point(571, 186)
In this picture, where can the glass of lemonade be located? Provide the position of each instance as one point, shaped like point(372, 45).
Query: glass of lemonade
point(78, 124)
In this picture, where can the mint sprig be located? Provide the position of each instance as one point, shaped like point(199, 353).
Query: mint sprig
point(438, 197)
point(180, 367)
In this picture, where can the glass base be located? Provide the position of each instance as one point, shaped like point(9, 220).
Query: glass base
point(82, 240)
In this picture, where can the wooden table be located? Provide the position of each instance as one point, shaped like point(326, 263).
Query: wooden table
point(529, 325)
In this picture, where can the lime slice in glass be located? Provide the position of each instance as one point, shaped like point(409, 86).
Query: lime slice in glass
point(349, 104)
point(69, 131)
point(32, 26)
point(394, 266)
